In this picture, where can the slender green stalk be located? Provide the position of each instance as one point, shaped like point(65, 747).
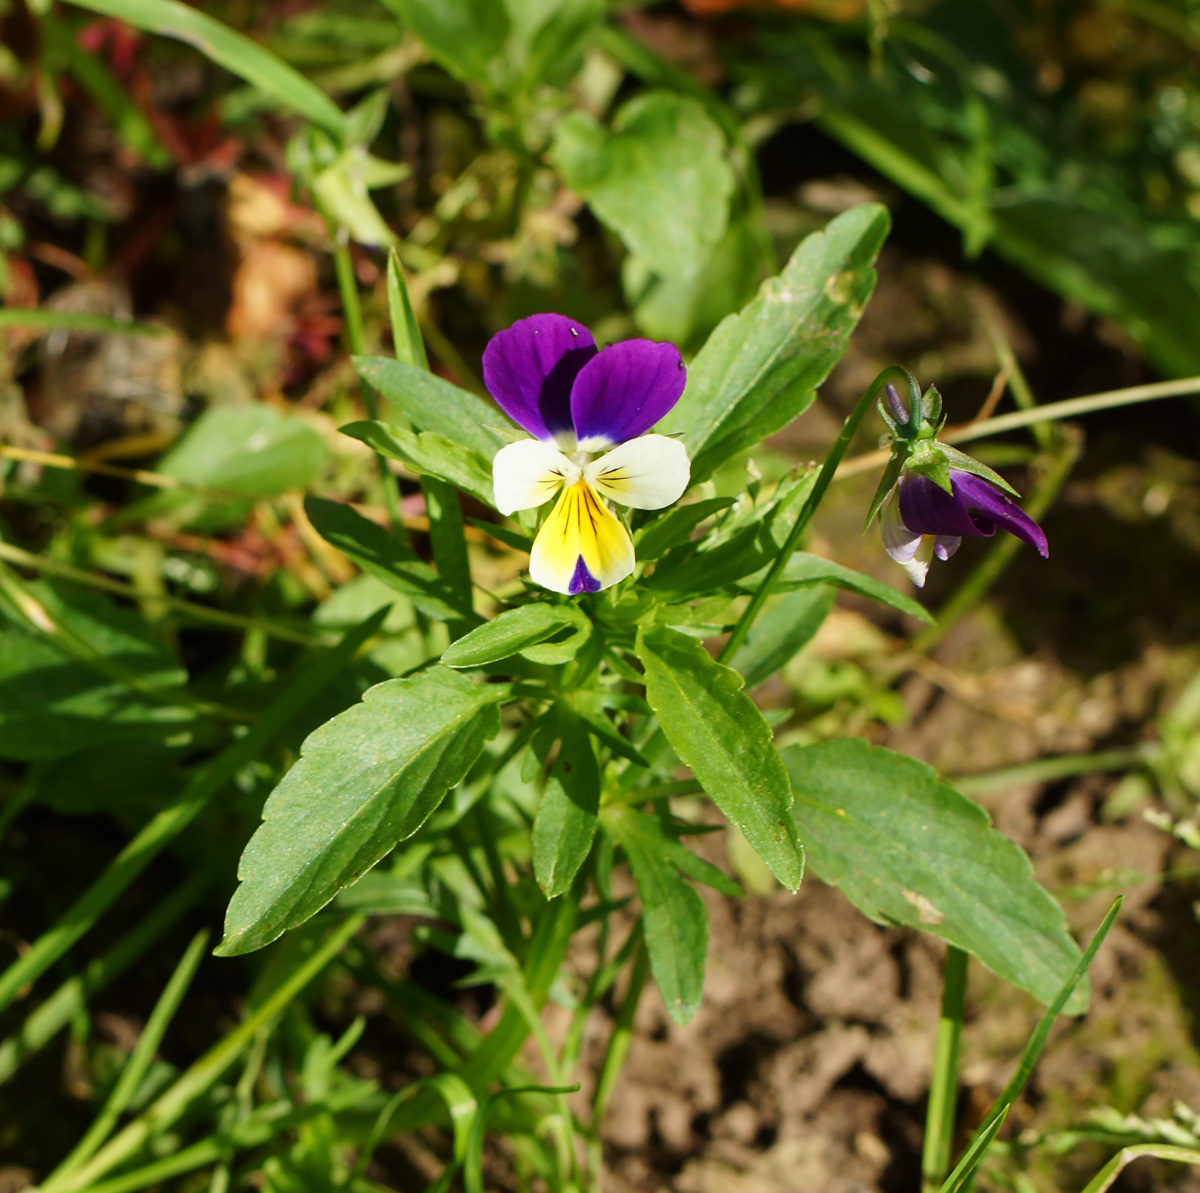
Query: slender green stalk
point(622, 1034)
point(70, 998)
point(202, 1075)
point(139, 1059)
point(205, 783)
point(1044, 770)
point(1054, 411)
point(22, 799)
point(824, 477)
point(1106, 1177)
point(357, 340)
point(234, 621)
point(1051, 412)
point(49, 320)
point(943, 1090)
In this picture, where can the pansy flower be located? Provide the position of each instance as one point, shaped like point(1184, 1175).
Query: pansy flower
point(588, 412)
point(921, 520)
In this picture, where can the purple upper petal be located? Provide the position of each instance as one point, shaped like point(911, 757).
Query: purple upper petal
point(624, 391)
point(974, 510)
point(530, 367)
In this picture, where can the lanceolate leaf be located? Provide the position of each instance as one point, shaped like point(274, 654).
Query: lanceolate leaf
point(229, 49)
point(430, 453)
point(761, 368)
point(367, 779)
point(905, 847)
point(781, 632)
point(511, 632)
point(436, 405)
point(566, 817)
point(674, 918)
point(385, 557)
point(716, 729)
point(804, 569)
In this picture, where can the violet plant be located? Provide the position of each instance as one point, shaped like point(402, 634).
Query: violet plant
point(498, 791)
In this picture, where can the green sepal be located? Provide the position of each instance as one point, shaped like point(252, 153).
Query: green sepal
point(961, 462)
point(887, 482)
point(927, 461)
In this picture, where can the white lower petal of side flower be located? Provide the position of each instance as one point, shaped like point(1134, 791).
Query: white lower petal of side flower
point(647, 473)
point(528, 473)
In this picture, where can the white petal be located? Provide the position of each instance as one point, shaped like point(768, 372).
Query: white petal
point(918, 566)
point(647, 473)
point(898, 541)
point(528, 473)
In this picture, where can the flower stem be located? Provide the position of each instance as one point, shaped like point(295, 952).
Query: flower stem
point(357, 340)
point(943, 1090)
point(752, 610)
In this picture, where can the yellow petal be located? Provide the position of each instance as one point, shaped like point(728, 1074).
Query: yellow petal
point(582, 546)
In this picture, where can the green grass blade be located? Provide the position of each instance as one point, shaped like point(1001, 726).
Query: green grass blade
point(139, 1059)
point(69, 999)
point(988, 1130)
point(202, 1075)
point(44, 319)
point(229, 49)
point(170, 822)
point(1106, 1177)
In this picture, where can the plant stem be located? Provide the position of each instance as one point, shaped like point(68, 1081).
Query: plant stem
point(832, 460)
point(622, 1035)
point(1108, 400)
point(357, 341)
point(943, 1090)
point(1045, 770)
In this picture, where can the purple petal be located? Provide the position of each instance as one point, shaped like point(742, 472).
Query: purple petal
point(582, 580)
point(988, 505)
point(530, 367)
point(624, 391)
point(926, 508)
point(945, 545)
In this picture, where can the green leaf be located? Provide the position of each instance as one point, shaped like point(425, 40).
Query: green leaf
point(407, 342)
point(52, 704)
point(676, 526)
point(384, 556)
point(429, 453)
point(674, 919)
point(511, 632)
point(716, 729)
point(694, 573)
point(246, 451)
point(905, 847)
point(436, 405)
point(465, 36)
point(804, 569)
point(548, 37)
point(659, 178)
point(566, 818)
point(761, 368)
point(781, 632)
point(229, 49)
point(365, 780)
